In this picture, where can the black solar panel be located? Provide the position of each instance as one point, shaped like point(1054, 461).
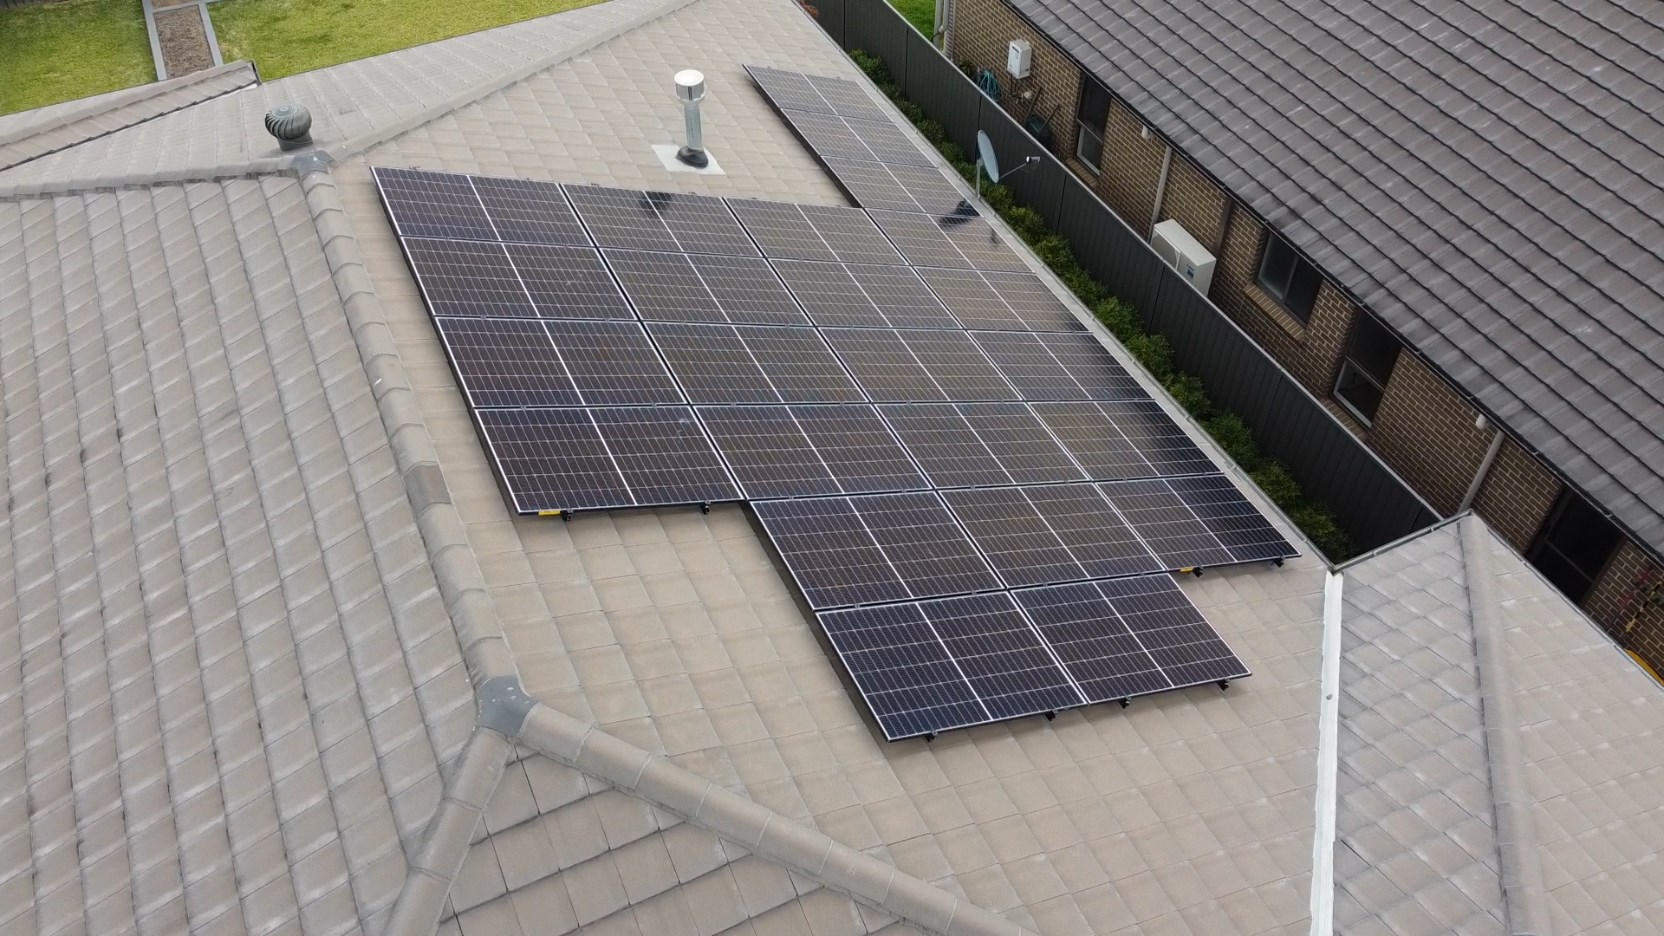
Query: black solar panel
point(924, 544)
point(568, 282)
point(768, 452)
point(1024, 447)
point(553, 460)
point(829, 552)
point(898, 187)
point(1001, 655)
point(860, 452)
point(1095, 440)
point(954, 240)
point(957, 365)
point(467, 278)
point(507, 362)
point(1093, 643)
point(662, 221)
point(1059, 366)
point(814, 232)
point(712, 363)
point(1098, 539)
point(1176, 635)
point(1238, 524)
point(1155, 435)
point(612, 363)
point(855, 138)
point(883, 365)
point(847, 98)
point(664, 455)
point(863, 295)
point(791, 90)
point(800, 365)
point(433, 204)
point(945, 445)
point(747, 290)
point(530, 212)
point(1014, 536)
point(1167, 525)
point(1001, 301)
point(902, 670)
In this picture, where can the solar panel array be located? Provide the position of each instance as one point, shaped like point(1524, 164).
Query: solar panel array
point(959, 478)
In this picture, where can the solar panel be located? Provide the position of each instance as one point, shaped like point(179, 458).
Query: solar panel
point(530, 212)
point(568, 282)
point(1158, 439)
point(1059, 366)
point(796, 91)
point(506, 362)
point(898, 187)
point(855, 138)
point(813, 232)
point(829, 553)
point(953, 240)
point(553, 460)
point(902, 670)
point(1098, 539)
point(612, 363)
point(857, 448)
point(1024, 447)
point(1238, 524)
point(924, 544)
point(901, 366)
point(1166, 524)
point(847, 98)
point(747, 290)
point(768, 452)
point(1048, 534)
point(1095, 440)
point(662, 221)
point(1001, 301)
point(945, 445)
point(863, 295)
point(1177, 636)
point(1095, 646)
point(800, 365)
point(467, 278)
point(664, 455)
point(712, 363)
point(432, 204)
point(1001, 655)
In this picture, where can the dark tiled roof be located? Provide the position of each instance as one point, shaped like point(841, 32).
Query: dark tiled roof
point(1483, 174)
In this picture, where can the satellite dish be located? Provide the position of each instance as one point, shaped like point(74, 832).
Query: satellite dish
point(985, 155)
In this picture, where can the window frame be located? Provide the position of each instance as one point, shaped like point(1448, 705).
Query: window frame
point(1544, 542)
point(1084, 129)
point(1354, 364)
point(1299, 270)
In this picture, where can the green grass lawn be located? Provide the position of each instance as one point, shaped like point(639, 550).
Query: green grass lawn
point(54, 52)
point(921, 13)
point(283, 37)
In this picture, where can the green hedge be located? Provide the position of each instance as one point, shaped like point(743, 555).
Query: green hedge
point(1123, 321)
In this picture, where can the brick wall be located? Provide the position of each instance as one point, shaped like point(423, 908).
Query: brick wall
point(1427, 433)
point(1310, 351)
point(1193, 201)
point(1517, 495)
point(1628, 600)
point(1132, 167)
point(981, 31)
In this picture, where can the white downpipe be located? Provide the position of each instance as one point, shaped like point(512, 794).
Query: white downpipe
point(1328, 764)
point(1483, 472)
point(1161, 188)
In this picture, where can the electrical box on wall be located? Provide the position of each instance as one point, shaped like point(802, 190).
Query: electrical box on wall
point(1017, 57)
point(1184, 254)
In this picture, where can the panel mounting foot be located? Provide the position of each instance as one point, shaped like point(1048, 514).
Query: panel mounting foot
point(1051, 716)
point(1224, 684)
point(1125, 702)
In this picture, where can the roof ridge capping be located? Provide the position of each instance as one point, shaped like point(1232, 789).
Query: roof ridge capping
point(53, 135)
point(505, 714)
point(1521, 874)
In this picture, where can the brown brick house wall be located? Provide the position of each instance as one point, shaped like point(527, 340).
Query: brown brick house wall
point(1517, 495)
point(1628, 600)
point(981, 31)
point(1427, 432)
point(1132, 167)
point(1195, 202)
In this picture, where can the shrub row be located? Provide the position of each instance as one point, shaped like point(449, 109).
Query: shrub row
point(1124, 322)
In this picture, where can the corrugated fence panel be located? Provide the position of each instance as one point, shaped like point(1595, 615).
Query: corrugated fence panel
point(875, 28)
point(1038, 186)
point(830, 15)
point(938, 87)
point(1108, 249)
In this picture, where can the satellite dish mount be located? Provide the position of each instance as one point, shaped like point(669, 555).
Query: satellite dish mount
point(988, 161)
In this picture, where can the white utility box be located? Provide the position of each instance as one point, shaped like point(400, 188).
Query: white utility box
point(1184, 253)
point(1018, 56)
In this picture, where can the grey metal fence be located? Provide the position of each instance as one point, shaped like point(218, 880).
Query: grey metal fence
point(1333, 466)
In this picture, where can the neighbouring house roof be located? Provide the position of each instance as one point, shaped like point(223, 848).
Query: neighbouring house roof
point(1483, 175)
point(281, 660)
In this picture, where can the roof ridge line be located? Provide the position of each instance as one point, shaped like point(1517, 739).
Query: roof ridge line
point(356, 145)
point(1524, 909)
point(654, 779)
point(157, 90)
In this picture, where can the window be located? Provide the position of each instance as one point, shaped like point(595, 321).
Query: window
point(1573, 546)
point(1289, 279)
point(1091, 114)
point(1371, 353)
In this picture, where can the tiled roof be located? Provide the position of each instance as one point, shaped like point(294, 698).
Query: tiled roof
point(284, 662)
point(1481, 174)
